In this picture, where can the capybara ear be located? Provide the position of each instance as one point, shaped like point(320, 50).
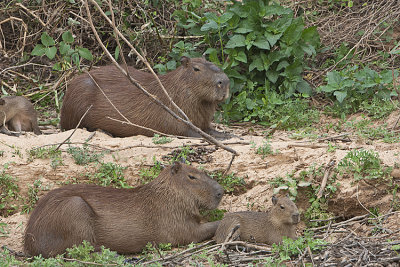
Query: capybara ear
point(185, 61)
point(274, 200)
point(176, 167)
point(2, 101)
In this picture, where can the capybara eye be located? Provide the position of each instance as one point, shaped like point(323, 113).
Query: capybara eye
point(192, 177)
point(196, 69)
point(282, 207)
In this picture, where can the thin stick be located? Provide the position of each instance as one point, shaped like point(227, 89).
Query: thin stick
point(63, 142)
point(328, 169)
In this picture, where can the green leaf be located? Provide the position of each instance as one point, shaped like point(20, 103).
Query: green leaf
point(38, 50)
point(333, 78)
point(256, 64)
point(237, 40)
point(243, 30)
point(75, 59)
point(116, 53)
point(340, 96)
point(241, 56)
point(272, 75)
point(67, 37)
point(47, 40)
point(171, 65)
point(303, 184)
point(208, 26)
point(282, 65)
point(272, 38)
point(262, 43)
point(225, 17)
point(85, 53)
point(64, 48)
point(311, 36)
point(294, 31)
point(50, 52)
point(304, 88)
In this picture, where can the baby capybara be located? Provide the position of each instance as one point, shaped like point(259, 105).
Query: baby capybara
point(197, 86)
point(261, 227)
point(17, 114)
point(165, 210)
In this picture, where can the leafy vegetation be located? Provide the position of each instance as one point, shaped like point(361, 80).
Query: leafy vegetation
point(9, 192)
point(149, 174)
point(33, 197)
point(84, 155)
point(47, 153)
point(157, 139)
point(109, 174)
point(230, 182)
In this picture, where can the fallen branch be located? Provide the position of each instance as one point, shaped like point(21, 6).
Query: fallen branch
point(328, 169)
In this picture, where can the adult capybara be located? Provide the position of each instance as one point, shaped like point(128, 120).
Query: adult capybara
point(197, 86)
point(165, 210)
point(261, 227)
point(17, 114)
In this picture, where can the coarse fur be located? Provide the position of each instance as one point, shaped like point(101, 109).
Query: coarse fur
point(261, 227)
point(197, 86)
point(165, 210)
point(17, 114)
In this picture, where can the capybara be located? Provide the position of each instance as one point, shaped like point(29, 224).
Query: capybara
point(197, 86)
point(261, 227)
point(17, 114)
point(165, 210)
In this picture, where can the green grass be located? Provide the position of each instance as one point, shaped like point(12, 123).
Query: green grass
point(230, 182)
point(33, 197)
point(109, 174)
point(9, 193)
point(84, 155)
point(149, 174)
point(47, 153)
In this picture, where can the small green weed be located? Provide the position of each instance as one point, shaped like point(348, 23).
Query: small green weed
point(181, 154)
point(149, 174)
point(33, 197)
point(109, 174)
point(4, 230)
point(365, 129)
point(157, 139)
point(377, 108)
point(153, 251)
point(364, 164)
point(317, 214)
point(289, 183)
point(84, 155)
point(47, 153)
point(230, 182)
point(9, 193)
point(264, 149)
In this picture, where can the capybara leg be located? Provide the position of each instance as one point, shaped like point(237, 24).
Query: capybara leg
point(66, 223)
point(15, 125)
point(206, 231)
point(4, 130)
point(227, 227)
point(35, 127)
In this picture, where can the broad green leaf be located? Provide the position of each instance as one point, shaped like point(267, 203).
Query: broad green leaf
point(64, 48)
point(211, 25)
point(171, 65)
point(241, 56)
point(272, 38)
point(237, 40)
point(272, 75)
point(46, 39)
point(256, 64)
point(67, 37)
point(277, 10)
point(243, 30)
point(116, 53)
point(225, 17)
point(282, 65)
point(50, 52)
point(333, 78)
point(85, 53)
point(75, 59)
point(293, 32)
point(303, 184)
point(310, 35)
point(250, 104)
point(340, 95)
point(38, 50)
point(304, 88)
point(211, 16)
point(262, 43)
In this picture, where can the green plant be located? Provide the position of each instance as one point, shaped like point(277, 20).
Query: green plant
point(46, 153)
point(213, 215)
point(264, 150)
point(83, 155)
point(33, 197)
point(4, 230)
point(351, 87)
point(364, 164)
point(266, 46)
point(230, 182)
point(68, 53)
point(181, 154)
point(289, 247)
point(152, 250)
point(157, 139)
point(109, 174)
point(148, 175)
point(289, 183)
point(378, 108)
point(9, 192)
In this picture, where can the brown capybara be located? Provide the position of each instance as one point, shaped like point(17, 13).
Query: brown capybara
point(17, 114)
point(197, 86)
point(261, 227)
point(165, 210)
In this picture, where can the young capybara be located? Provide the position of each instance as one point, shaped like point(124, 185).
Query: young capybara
point(261, 227)
point(17, 114)
point(165, 210)
point(197, 86)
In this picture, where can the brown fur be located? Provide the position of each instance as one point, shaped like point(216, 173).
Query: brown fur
point(261, 227)
point(18, 114)
point(165, 210)
point(196, 87)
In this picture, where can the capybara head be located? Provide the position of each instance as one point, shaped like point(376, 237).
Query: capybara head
point(209, 82)
point(196, 185)
point(285, 210)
